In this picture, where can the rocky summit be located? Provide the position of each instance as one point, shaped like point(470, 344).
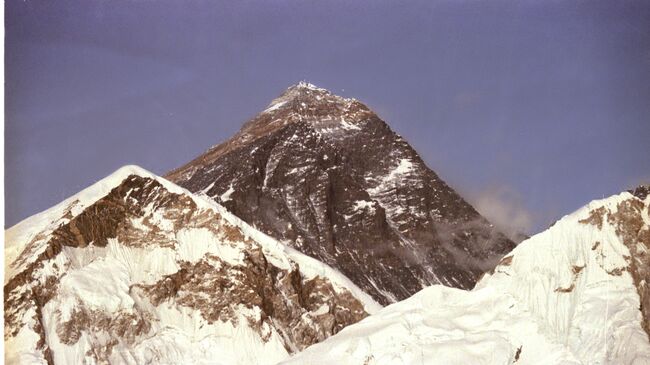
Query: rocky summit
point(327, 176)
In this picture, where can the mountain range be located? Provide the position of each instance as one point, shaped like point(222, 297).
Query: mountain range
point(317, 235)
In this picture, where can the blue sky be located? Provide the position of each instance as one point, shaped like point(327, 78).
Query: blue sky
point(526, 107)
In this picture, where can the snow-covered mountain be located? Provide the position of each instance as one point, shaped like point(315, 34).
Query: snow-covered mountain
point(327, 175)
point(136, 270)
point(576, 293)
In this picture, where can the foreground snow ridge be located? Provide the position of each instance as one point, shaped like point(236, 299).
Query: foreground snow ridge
point(136, 270)
point(569, 295)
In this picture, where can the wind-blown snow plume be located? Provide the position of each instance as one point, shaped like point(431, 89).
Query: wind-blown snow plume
point(504, 207)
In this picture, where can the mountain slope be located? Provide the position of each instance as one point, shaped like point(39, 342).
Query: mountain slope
point(327, 175)
point(576, 293)
point(137, 270)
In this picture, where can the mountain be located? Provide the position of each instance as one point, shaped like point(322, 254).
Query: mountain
point(576, 293)
point(326, 175)
point(136, 270)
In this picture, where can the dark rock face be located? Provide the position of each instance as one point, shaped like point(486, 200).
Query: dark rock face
point(641, 191)
point(328, 176)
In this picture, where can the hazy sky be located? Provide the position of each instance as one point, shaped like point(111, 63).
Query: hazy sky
point(528, 108)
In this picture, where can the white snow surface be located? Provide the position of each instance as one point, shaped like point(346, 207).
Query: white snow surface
point(102, 279)
point(524, 313)
point(226, 195)
point(274, 106)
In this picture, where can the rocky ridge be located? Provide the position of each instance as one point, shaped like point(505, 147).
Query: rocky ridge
point(136, 270)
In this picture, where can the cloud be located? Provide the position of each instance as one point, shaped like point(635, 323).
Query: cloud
point(504, 207)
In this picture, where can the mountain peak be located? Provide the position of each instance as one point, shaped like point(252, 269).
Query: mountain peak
point(304, 85)
point(302, 97)
point(303, 104)
point(327, 175)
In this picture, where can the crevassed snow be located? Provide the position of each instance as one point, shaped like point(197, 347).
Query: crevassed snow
point(550, 302)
